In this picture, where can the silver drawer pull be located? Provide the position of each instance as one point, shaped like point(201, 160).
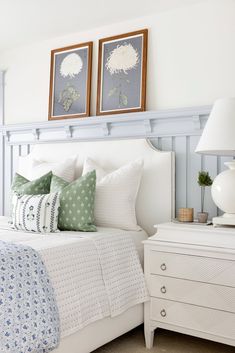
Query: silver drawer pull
point(163, 313)
point(163, 289)
point(163, 267)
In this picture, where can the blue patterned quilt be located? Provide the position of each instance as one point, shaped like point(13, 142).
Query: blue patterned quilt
point(29, 316)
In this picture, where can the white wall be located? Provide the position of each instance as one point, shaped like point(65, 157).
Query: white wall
point(191, 61)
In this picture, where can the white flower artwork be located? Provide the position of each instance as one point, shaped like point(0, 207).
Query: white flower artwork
point(70, 81)
point(122, 73)
point(71, 65)
point(122, 59)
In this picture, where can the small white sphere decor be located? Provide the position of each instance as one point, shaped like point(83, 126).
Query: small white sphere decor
point(223, 190)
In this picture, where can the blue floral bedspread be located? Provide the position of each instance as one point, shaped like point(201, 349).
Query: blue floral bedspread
point(29, 319)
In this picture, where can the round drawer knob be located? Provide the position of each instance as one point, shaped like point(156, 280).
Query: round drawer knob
point(163, 289)
point(163, 313)
point(163, 267)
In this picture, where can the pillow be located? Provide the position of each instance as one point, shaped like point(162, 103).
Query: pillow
point(116, 194)
point(35, 213)
point(39, 186)
point(89, 165)
point(76, 202)
point(65, 169)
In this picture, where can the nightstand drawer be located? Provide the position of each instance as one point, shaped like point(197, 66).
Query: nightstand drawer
point(197, 293)
point(196, 268)
point(211, 321)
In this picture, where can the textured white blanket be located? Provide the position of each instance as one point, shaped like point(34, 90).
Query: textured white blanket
point(94, 275)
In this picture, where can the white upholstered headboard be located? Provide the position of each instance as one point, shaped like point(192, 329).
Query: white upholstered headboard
point(156, 198)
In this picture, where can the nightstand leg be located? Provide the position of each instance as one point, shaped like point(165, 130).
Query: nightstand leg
point(149, 336)
point(148, 331)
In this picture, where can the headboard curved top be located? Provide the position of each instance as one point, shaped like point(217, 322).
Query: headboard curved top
point(155, 202)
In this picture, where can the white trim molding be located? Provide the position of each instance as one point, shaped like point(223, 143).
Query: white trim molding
point(150, 124)
point(175, 130)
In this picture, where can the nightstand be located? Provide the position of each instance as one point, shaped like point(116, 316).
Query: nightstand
point(190, 274)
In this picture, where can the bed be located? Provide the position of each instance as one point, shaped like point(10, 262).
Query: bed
point(155, 204)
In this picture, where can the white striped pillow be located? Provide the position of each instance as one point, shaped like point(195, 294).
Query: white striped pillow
point(35, 213)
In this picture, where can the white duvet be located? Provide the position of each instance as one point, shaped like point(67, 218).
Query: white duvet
point(94, 275)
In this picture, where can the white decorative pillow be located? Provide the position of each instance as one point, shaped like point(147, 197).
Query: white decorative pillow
point(64, 169)
point(35, 213)
point(116, 194)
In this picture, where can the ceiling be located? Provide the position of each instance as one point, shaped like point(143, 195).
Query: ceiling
point(25, 21)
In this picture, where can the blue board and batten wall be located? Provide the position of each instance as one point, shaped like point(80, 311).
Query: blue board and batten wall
point(175, 130)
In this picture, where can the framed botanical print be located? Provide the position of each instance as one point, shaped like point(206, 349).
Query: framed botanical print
point(122, 69)
point(70, 82)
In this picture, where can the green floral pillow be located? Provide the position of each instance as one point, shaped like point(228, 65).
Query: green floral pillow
point(38, 186)
point(76, 202)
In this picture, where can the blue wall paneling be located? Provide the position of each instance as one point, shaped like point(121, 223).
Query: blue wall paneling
point(175, 130)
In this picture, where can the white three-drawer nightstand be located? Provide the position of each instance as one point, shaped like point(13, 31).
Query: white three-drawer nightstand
point(190, 273)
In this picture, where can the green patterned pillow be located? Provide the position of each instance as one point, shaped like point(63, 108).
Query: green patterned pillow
point(38, 186)
point(76, 202)
point(58, 184)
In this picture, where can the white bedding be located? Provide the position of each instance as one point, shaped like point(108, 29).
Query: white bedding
point(94, 275)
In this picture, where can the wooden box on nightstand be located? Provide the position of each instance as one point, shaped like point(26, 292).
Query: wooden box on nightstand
point(190, 273)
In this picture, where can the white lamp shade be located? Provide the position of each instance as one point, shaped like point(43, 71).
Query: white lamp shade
point(218, 137)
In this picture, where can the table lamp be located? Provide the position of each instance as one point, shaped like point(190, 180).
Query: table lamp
point(218, 138)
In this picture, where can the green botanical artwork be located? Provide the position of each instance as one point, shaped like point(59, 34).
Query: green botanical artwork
point(68, 96)
point(117, 91)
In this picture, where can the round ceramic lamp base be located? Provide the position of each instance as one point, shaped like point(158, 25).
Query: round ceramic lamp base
point(223, 194)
